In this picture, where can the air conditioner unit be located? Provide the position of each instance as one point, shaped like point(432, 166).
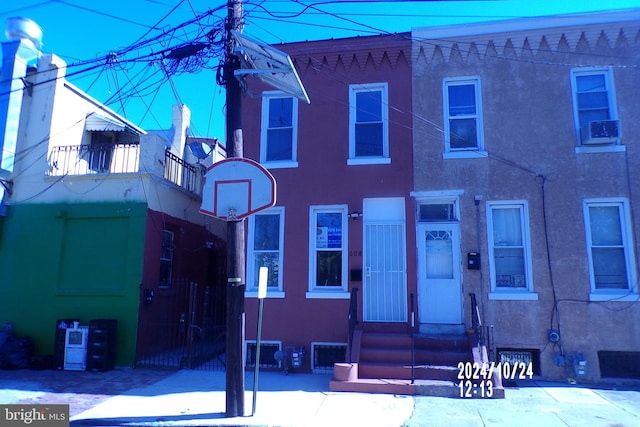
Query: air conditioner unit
point(600, 132)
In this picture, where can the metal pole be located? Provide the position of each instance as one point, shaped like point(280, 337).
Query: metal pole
point(257, 368)
point(235, 321)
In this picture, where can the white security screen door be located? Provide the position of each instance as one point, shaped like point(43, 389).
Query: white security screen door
point(439, 284)
point(384, 269)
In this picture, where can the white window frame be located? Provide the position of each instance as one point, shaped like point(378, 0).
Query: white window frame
point(631, 292)
point(328, 292)
point(275, 164)
point(362, 160)
point(463, 153)
point(503, 293)
point(607, 72)
point(167, 260)
point(251, 290)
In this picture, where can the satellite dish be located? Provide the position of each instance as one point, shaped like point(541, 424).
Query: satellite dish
point(270, 65)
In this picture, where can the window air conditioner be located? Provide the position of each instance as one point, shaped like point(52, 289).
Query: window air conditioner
point(600, 132)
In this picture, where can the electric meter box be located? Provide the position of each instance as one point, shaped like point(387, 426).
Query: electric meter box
point(75, 348)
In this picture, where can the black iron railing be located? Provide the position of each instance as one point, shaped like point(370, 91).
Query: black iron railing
point(182, 173)
point(88, 159)
point(412, 331)
point(483, 333)
point(353, 318)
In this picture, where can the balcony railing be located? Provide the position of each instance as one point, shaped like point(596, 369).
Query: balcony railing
point(88, 159)
point(181, 173)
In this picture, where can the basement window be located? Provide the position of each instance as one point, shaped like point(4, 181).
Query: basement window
point(267, 354)
point(326, 354)
point(513, 356)
point(619, 364)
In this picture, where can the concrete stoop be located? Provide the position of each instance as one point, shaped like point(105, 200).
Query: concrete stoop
point(383, 363)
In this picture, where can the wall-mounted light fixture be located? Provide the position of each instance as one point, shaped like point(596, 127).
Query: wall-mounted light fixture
point(354, 215)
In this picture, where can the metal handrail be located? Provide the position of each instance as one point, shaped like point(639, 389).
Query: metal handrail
point(413, 330)
point(353, 318)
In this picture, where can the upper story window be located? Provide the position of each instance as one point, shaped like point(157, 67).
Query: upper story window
point(266, 242)
point(509, 251)
point(328, 252)
point(594, 109)
point(463, 118)
point(279, 136)
point(610, 250)
point(368, 124)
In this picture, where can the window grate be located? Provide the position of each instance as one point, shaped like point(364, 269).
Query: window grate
point(326, 354)
point(527, 356)
point(267, 354)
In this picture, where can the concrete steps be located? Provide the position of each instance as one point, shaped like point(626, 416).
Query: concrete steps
point(383, 363)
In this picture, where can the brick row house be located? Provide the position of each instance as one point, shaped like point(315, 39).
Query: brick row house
point(476, 176)
point(99, 218)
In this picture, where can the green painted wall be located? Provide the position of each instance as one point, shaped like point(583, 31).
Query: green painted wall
point(72, 261)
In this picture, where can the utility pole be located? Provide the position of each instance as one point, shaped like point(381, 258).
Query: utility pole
point(235, 321)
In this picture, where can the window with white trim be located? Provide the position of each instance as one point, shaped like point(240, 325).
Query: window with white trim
point(463, 117)
point(266, 237)
point(279, 136)
point(368, 124)
point(610, 249)
point(509, 248)
point(166, 258)
point(328, 249)
point(594, 107)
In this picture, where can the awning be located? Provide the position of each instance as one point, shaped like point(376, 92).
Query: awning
point(97, 122)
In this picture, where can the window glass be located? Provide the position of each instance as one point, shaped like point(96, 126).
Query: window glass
point(508, 249)
point(369, 106)
point(329, 248)
point(593, 101)
point(368, 121)
point(166, 258)
point(266, 248)
point(462, 100)
point(462, 115)
point(608, 256)
point(437, 212)
point(280, 132)
point(279, 123)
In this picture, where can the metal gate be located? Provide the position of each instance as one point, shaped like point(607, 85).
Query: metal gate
point(182, 327)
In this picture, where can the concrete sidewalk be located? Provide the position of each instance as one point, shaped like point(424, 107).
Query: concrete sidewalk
point(196, 398)
point(190, 398)
point(129, 397)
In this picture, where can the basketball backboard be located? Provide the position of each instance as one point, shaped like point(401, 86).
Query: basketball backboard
point(236, 188)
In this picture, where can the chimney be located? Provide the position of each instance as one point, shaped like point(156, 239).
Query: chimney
point(22, 48)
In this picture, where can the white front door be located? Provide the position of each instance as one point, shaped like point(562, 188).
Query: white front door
point(439, 274)
point(384, 259)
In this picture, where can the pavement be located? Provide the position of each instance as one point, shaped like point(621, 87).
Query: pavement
point(145, 397)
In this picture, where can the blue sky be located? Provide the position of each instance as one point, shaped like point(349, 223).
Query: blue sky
point(84, 33)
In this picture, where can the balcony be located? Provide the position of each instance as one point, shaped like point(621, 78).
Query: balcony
point(121, 158)
point(91, 159)
point(183, 174)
